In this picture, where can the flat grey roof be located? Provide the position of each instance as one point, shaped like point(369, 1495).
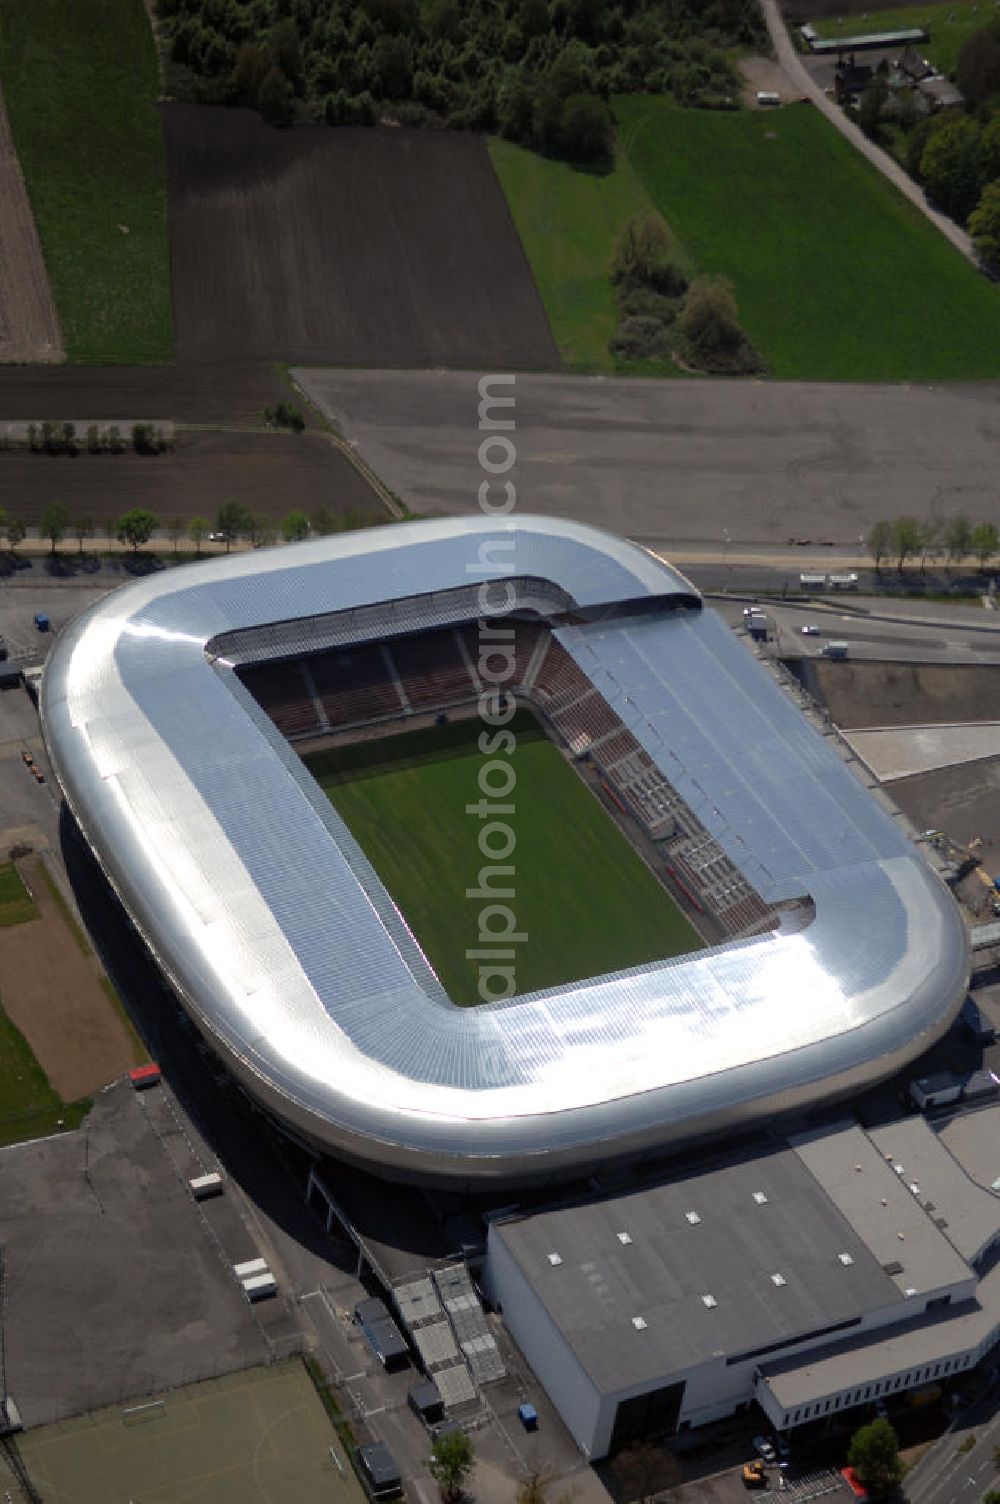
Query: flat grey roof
point(917, 1344)
point(601, 1284)
point(967, 1215)
point(974, 1139)
point(886, 1215)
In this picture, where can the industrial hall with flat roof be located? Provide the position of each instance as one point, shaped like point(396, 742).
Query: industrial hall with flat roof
point(841, 1268)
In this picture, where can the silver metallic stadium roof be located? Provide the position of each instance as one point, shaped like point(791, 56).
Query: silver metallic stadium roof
point(278, 935)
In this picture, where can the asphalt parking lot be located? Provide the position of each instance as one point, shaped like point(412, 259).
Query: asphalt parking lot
point(113, 1288)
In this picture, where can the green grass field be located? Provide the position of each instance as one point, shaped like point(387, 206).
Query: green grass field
point(586, 901)
point(251, 1437)
point(837, 276)
point(80, 82)
point(28, 1105)
point(29, 1108)
point(568, 222)
point(949, 24)
point(16, 903)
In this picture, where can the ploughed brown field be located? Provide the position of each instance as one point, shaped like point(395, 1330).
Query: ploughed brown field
point(370, 247)
point(273, 474)
point(214, 393)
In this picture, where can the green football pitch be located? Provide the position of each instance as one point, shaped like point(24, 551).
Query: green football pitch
point(251, 1437)
point(584, 899)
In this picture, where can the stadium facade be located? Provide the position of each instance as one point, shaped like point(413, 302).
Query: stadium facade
point(278, 937)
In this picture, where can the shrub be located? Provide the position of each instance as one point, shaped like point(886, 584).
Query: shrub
point(640, 337)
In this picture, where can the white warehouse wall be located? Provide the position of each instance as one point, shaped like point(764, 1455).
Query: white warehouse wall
point(547, 1351)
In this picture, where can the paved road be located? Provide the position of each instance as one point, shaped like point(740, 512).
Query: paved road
point(794, 67)
point(947, 1475)
point(683, 463)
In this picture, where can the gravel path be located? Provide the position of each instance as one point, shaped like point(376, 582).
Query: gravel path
point(807, 86)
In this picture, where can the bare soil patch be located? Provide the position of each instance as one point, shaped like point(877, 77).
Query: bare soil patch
point(29, 327)
point(907, 694)
point(53, 992)
point(766, 75)
point(381, 247)
point(270, 473)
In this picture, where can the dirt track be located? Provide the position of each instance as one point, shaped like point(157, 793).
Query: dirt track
point(53, 993)
point(270, 473)
point(29, 327)
point(378, 247)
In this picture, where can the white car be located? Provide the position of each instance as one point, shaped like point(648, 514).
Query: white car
point(810, 631)
point(764, 1448)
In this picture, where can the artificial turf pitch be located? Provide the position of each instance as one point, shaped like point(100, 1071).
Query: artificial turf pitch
point(586, 901)
point(262, 1435)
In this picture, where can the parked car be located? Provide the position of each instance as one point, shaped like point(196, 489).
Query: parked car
point(810, 631)
point(765, 1448)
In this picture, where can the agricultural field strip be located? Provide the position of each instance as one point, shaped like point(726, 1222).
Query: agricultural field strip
point(29, 326)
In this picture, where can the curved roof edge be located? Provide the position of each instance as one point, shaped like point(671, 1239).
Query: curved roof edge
point(235, 872)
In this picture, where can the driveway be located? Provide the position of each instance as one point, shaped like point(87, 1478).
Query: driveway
point(806, 85)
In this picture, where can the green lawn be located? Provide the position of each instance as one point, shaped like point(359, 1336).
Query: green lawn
point(29, 1107)
point(80, 82)
point(586, 901)
point(568, 222)
point(949, 24)
point(837, 276)
point(16, 903)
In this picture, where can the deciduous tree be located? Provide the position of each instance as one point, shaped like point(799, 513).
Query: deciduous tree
point(450, 1463)
point(958, 538)
point(53, 524)
point(83, 528)
point(907, 537)
point(233, 521)
point(197, 528)
point(984, 543)
point(295, 527)
point(137, 527)
point(16, 533)
point(879, 542)
point(984, 226)
point(874, 1456)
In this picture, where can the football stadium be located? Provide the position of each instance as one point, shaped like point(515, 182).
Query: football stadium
point(486, 851)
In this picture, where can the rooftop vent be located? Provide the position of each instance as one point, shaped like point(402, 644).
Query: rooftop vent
point(893, 1267)
point(760, 1198)
point(858, 1169)
point(884, 1202)
point(639, 1322)
point(554, 1259)
point(898, 1169)
point(901, 1236)
point(709, 1302)
point(625, 1238)
point(778, 1279)
point(692, 1217)
point(909, 1291)
point(914, 1188)
point(845, 1259)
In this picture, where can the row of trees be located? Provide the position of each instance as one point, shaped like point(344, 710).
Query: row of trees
point(52, 437)
point(233, 523)
point(955, 540)
point(644, 1470)
point(506, 65)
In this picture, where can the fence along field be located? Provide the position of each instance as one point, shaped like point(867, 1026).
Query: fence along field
point(347, 247)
